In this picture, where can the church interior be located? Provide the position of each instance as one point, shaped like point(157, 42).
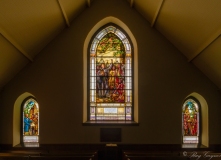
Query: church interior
point(56, 94)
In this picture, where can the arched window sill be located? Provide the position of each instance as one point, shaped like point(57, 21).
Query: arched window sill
point(193, 145)
point(110, 123)
point(28, 144)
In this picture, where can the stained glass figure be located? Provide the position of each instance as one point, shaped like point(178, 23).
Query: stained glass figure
point(110, 76)
point(190, 121)
point(30, 121)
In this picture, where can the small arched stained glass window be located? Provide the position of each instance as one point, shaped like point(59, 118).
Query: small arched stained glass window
point(190, 116)
point(110, 76)
point(30, 121)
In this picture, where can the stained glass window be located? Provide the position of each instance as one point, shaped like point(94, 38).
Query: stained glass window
point(190, 121)
point(110, 76)
point(30, 121)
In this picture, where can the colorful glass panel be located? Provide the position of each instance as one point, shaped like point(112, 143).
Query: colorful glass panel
point(190, 121)
point(110, 76)
point(30, 121)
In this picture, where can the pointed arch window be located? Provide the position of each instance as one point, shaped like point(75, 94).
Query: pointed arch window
point(111, 93)
point(191, 121)
point(30, 122)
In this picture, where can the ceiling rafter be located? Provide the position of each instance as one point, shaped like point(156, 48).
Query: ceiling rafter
point(205, 45)
point(15, 44)
point(132, 3)
point(64, 14)
point(157, 13)
point(88, 3)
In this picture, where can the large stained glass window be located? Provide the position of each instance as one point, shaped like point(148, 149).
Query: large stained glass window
point(190, 115)
point(110, 76)
point(30, 121)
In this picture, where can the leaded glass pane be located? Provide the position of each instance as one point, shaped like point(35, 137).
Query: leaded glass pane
point(110, 29)
point(120, 34)
point(127, 45)
point(92, 96)
point(190, 121)
point(101, 34)
point(30, 121)
point(94, 46)
point(110, 75)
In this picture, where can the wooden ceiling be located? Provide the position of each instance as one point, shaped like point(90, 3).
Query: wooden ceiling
point(192, 26)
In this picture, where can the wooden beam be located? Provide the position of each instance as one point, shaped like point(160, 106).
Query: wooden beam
point(132, 3)
point(64, 14)
point(157, 13)
point(88, 3)
point(205, 45)
point(15, 44)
